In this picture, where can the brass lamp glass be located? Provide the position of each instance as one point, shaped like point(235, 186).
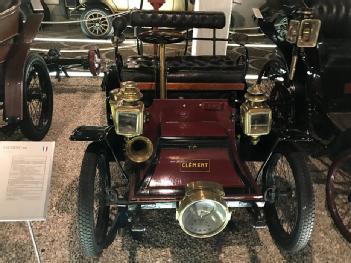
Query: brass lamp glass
point(127, 110)
point(256, 115)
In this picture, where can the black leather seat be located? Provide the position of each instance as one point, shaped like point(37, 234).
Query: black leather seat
point(334, 51)
point(335, 36)
point(335, 16)
point(182, 69)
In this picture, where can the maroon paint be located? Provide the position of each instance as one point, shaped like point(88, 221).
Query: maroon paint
point(192, 118)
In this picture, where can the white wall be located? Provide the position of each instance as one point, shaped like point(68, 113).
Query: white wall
point(205, 47)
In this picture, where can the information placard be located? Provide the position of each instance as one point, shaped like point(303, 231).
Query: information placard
point(25, 173)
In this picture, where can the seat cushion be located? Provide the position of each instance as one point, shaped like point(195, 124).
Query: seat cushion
point(139, 69)
point(209, 69)
point(335, 53)
point(195, 69)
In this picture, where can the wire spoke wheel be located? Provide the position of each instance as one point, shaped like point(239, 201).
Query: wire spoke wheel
point(289, 208)
point(285, 200)
point(96, 24)
point(338, 192)
point(37, 99)
point(97, 219)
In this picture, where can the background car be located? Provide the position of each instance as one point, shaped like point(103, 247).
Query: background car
point(101, 26)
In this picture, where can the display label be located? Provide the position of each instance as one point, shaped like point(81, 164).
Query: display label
point(25, 174)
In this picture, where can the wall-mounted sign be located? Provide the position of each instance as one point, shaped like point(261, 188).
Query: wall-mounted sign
point(25, 172)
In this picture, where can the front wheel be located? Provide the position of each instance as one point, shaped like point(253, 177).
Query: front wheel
point(96, 23)
point(289, 209)
point(37, 98)
point(96, 217)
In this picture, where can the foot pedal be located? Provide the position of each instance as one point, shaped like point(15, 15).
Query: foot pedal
point(138, 229)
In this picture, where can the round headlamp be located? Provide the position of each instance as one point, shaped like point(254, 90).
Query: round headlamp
point(203, 212)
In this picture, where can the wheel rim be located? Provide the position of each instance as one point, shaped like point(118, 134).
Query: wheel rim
point(101, 209)
point(282, 193)
point(37, 98)
point(339, 194)
point(106, 217)
point(98, 25)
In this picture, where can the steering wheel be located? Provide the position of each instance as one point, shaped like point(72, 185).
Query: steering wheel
point(161, 37)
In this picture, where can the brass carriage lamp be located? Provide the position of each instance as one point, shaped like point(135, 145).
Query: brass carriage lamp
point(256, 115)
point(127, 109)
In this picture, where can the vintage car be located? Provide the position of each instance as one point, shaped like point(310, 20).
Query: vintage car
point(179, 133)
point(26, 98)
point(311, 86)
point(102, 28)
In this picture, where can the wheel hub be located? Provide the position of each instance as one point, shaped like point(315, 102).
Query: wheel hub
point(270, 195)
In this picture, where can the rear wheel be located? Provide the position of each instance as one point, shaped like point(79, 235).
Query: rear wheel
point(96, 217)
point(289, 209)
point(339, 194)
point(99, 25)
point(37, 99)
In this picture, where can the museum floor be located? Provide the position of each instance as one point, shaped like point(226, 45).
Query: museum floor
point(79, 101)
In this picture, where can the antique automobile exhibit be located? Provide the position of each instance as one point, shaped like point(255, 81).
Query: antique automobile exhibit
point(25, 88)
point(180, 139)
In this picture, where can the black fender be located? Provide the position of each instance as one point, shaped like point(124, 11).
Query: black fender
point(104, 136)
point(14, 69)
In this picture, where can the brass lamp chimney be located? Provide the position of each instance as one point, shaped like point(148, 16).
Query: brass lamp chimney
point(256, 115)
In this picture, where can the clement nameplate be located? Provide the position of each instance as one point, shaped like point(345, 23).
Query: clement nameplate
point(25, 172)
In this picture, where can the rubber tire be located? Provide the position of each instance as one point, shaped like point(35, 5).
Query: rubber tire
point(343, 158)
point(300, 235)
point(26, 125)
point(89, 10)
point(87, 231)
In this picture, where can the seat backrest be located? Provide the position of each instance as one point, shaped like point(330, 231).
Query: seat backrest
point(212, 20)
point(335, 16)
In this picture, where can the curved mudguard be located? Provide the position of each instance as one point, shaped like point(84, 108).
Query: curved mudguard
point(15, 69)
point(89, 133)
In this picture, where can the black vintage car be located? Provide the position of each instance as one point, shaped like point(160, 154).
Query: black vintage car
point(311, 85)
point(314, 95)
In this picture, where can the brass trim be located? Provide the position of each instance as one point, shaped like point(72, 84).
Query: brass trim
point(199, 191)
point(163, 72)
point(136, 154)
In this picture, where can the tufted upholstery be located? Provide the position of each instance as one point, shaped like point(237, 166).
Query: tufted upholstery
point(195, 69)
point(335, 16)
point(214, 20)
